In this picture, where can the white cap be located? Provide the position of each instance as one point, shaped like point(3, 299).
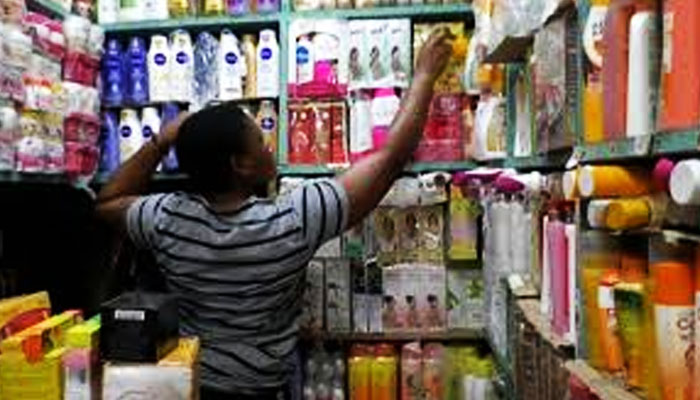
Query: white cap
point(685, 182)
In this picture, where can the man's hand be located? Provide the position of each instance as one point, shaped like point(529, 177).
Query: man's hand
point(168, 133)
point(434, 55)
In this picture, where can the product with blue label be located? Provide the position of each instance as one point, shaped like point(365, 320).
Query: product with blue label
point(136, 72)
point(113, 74)
point(182, 66)
point(109, 157)
point(170, 112)
point(130, 136)
point(268, 64)
point(232, 67)
point(159, 62)
point(206, 74)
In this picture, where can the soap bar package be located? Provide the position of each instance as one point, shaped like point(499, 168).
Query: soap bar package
point(338, 302)
point(312, 306)
point(465, 299)
point(138, 327)
point(40, 339)
point(21, 312)
point(174, 377)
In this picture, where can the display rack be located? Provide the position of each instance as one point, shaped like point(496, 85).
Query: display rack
point(451, 335)
point(603, 385)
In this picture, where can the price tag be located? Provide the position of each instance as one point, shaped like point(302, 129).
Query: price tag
point(641, 144)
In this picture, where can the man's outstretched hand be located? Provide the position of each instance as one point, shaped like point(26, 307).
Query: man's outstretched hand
point(434, 55)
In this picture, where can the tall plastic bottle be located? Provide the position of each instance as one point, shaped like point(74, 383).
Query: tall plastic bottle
point(159, 62)
point(238, 7)
point(267, 120)
point(639, 99)
point(109, 157)
point(136, 72)
point(305, 60)
point(113, 74)
point(150, 123)
point(268, 64)
point(251, 78)
point(232, 67)
point(130, 135)
point(181, 8)
point(182, 66)
point(268, 6)
point(170, 111)
point(155, 9)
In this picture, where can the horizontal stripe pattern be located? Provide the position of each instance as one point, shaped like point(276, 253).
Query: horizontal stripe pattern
point(239, 273)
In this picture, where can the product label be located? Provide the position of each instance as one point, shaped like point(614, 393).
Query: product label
point(129, 315)
point(266, 53)
point(302, 55)
point(267, 124)
point(667, 57)
point(126, 131)
point(606, 297)
point(182, 57)
point(231, 58)
point(147, 132)
point(675, 325)
point(160, 59)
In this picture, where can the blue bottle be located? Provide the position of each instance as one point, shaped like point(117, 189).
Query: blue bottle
point(136, 72)
point(113, 74)
point(109, 142)
point(170, 111)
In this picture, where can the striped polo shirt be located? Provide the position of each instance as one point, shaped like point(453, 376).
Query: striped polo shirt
point(239, 275)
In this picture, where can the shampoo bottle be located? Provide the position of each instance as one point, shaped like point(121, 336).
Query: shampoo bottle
point(109, 158)
point(268, 65)
point(305, 60)
point(182, 67)
point(251, 77)
point(267, 120)
point(113, 74)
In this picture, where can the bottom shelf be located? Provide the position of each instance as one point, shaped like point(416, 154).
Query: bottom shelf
point(605, 386)
point(449, 335)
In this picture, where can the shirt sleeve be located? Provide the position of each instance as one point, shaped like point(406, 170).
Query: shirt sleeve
point(323, 208)
point(141, 220)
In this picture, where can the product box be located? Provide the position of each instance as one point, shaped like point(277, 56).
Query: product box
point(312, 303)
point(375, 296)
point(138, 327)
point(465, 299)
point(395, 307)
point(338, 293)
point(174, 377)
point(324, 43)
point(40, 339)
point(23, 380)
point(81, 362)
point(339, 135)
point(555, 83)
point(360, 298)
point(443, 135)
point(409, 234)
point(431, 297)
point(386, 227)
point(431, 223)
point(399, 54)
point(450, 80)
point(19, 313)
point(358, 55)
point(376, 38)
point(317, 133)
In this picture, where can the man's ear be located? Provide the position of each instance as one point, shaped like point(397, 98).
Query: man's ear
point(243, 165)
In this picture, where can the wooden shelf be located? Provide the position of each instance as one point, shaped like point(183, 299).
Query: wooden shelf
point(531, 311)
point(603, 385)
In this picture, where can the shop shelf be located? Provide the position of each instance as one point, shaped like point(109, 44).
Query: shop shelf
point(532, 313)
point(102, 178)
point(603, 385)
point(616, 150)
point(51, 7)
point(416, 168)
point(441, 11)
point(676, 142)
point(447, 336)
point(251, 20)
point(554, 160)
point(34, 178)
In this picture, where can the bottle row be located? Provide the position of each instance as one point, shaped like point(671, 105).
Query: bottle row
point(177, 69)
point(113, 11)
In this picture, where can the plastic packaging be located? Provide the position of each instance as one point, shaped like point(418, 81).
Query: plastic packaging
point(130, 134)
point(109, 159)
point(113, 74)
point(182, 67)
point(305, 60)
point(268, 65)
point(232, 66)
point(411, 371)
point(206, 70)
point(267, 120)
point(384, 107)
point(136, 70)
point(238, 7)
point(159, 64)
point(611, 181)
point(251, 78)
point(640, 113)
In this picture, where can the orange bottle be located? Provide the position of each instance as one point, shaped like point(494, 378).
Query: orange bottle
point(610, 342)
point(680, 65)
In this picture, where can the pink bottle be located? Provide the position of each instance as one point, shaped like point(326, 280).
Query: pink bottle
point(411, 371)
point(559, 276)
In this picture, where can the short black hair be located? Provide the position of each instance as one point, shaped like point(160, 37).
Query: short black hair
point(206, 142)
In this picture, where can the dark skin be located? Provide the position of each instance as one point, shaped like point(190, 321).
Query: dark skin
point(365, 183)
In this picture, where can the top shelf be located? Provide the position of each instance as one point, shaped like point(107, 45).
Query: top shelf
point(51, 7)
point(437, 11)
point(442, 11)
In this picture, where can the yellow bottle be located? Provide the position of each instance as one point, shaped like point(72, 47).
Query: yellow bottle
point(593, 109)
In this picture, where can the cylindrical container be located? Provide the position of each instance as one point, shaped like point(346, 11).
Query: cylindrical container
point(360, 373)
point(109, 158)
point(593, 109)
point(609, 340)
point(662, 174)
point(384, 374)
point(597, 213)
point(569, 184)
point(434, 371)
point(639, 100)
point(685, 182)
point(136, 69)
point(113, 74)
point(130, 136)
point(613, 181)
point(628, 214)
point(680, 65)
point(411, 372)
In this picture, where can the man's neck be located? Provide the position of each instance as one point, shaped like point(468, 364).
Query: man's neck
point(228, 201)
